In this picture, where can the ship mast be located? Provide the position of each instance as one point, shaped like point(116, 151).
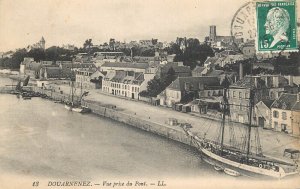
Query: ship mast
point(251, 102)
point(225, 83)
point(223, 119)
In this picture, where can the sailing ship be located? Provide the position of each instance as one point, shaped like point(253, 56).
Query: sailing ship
point(235, 161)
point(75, 105)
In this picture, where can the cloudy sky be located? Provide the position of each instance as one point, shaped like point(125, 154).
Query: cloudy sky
point(24, 22)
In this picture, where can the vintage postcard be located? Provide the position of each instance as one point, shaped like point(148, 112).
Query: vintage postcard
point(154, 94)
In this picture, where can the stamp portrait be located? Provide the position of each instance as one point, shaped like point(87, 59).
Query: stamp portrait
point(276, 26)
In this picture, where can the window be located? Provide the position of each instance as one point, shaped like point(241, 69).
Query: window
point(240, 94)
point(272, 94)
point(233, 94)
point(284, 115)
point(246, 95)
point(275, 114)
point(208, 93)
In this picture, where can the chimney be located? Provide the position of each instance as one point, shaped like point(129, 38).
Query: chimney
point(241, 71)
point(275, 81)
point(291, 82)
point(266, 81)
point(255, 82)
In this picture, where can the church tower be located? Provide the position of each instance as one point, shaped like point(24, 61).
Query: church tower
point(212, 33)
point(42, 43)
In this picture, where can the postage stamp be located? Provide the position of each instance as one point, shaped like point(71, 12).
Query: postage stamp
point(276, 26)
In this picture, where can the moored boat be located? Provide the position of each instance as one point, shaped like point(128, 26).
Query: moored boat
point(241, 161)
point(231, 172)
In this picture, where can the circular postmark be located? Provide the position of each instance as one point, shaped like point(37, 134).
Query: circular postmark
point(243, 24)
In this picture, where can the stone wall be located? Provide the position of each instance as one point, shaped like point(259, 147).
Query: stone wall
point(171, 132)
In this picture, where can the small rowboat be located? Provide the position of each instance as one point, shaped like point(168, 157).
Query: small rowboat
point(218, 168)
point(231, 172)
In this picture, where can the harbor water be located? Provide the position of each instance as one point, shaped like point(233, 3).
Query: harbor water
point(41, 138)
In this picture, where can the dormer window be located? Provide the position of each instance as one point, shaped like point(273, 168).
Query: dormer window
point(284, 106)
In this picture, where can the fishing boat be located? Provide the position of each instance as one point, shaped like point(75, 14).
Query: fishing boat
point(75, 105)
point(236, 161)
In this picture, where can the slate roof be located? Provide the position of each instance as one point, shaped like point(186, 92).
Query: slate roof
point(234, 58)
point(268, 103)
point(53, 72)
point(198, 69)
point(77, 65)
point(126, 65)
point(215, 73)
point(286, 101)
point(263, 65)
point(194, 82)
point(35, 66)
point(248, 82)
point(296, 106)
point(177, 69)
point(126, 77)
point(211, 60)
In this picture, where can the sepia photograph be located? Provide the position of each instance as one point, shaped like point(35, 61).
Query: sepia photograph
point(152, 94)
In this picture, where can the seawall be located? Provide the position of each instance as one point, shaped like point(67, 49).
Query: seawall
point(175, 133)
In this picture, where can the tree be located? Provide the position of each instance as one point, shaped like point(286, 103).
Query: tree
point(17, 58)
point(169, 77)
point(157, 85)
point(87, 45)
point(154, 87)
point(148, 52)
point(193, 54)
point(37, 54)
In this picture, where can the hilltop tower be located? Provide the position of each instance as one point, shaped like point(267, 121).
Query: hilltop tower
point(212, 33)
point(42, 43)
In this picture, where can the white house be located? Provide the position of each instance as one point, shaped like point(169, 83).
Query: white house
point(126, 83)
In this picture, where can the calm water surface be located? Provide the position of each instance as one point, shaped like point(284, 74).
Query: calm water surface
point(41, 138)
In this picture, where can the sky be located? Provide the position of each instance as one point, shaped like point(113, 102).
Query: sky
point(24, 22)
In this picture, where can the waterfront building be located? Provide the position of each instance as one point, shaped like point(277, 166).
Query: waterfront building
point(267, 87)
point(296, 117)
point(88, 78)
point(263, 113)
point(185, 89)
point(239, 95)
point(285, 113)
point(125, 83)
